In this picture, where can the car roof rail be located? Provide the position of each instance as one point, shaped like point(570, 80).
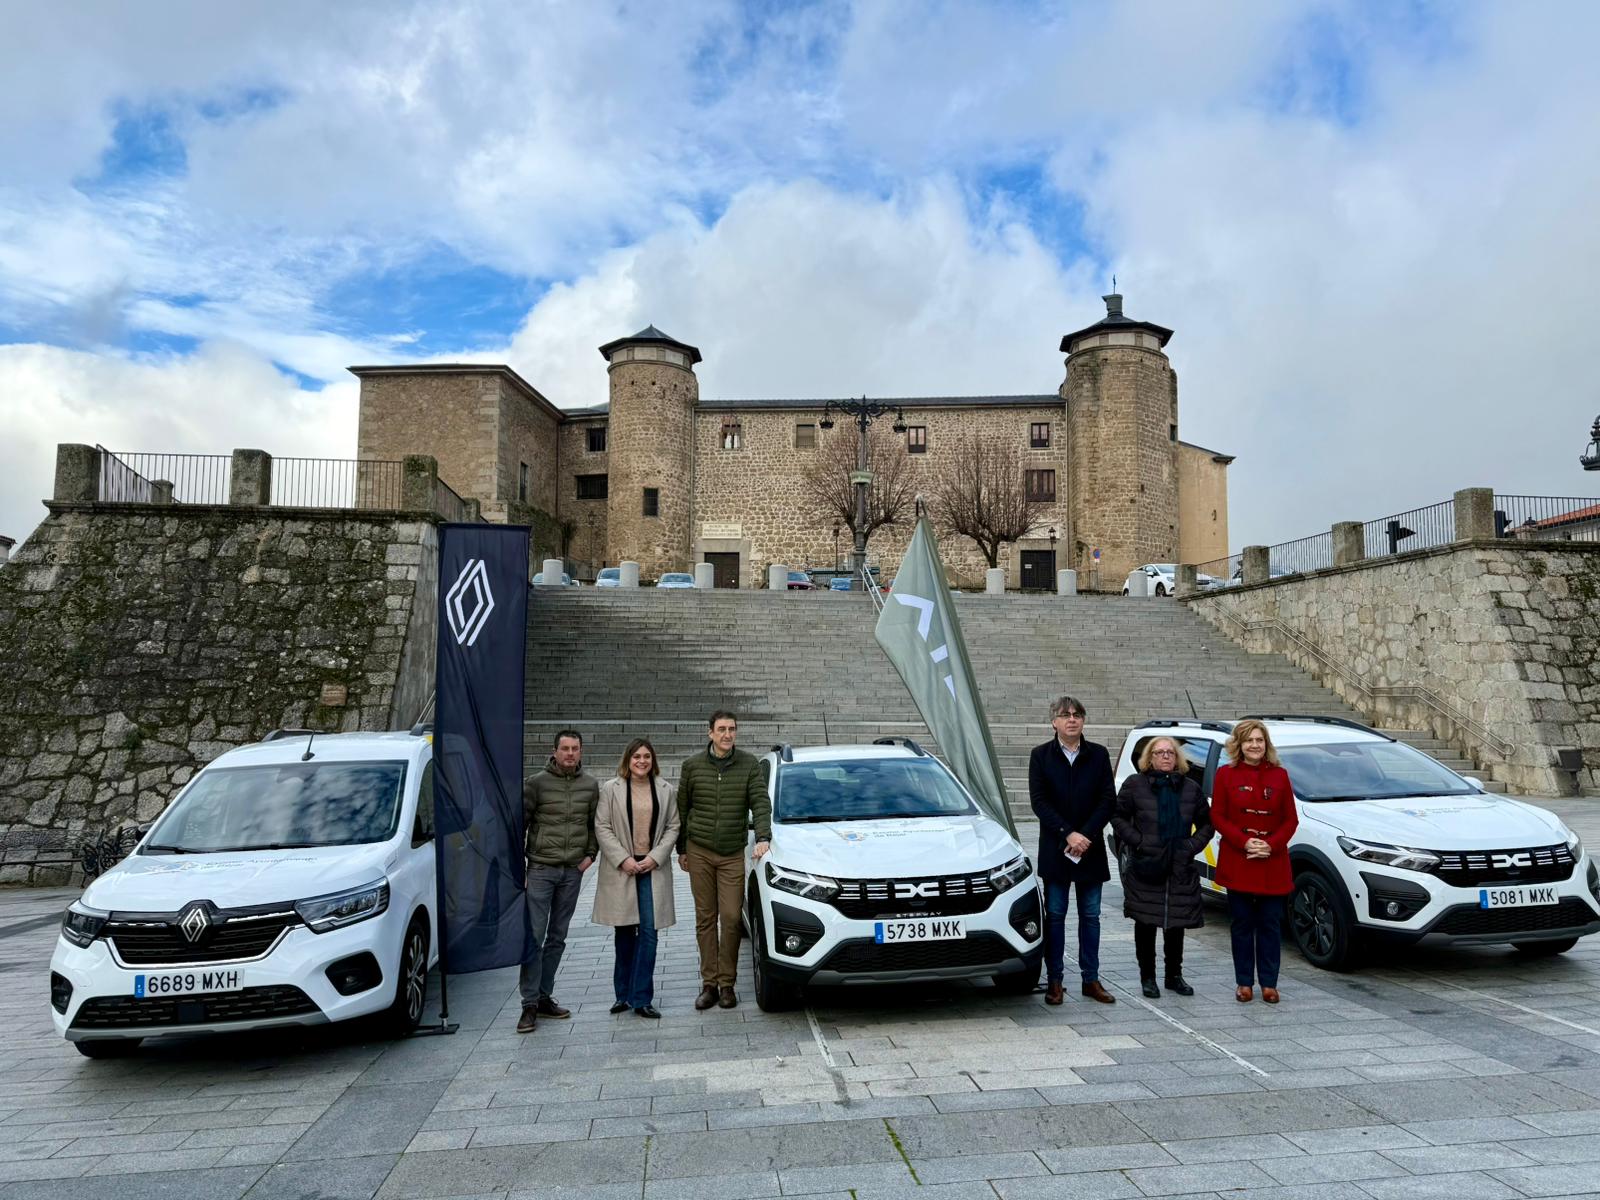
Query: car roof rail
point(901, 741)
point(784, 751)
point(422, 729)
point(280, 734)
point(1174, 722)
point(1319, 719)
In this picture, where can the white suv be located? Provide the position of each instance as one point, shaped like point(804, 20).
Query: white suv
point(291, 882)
point(883, 869)
point(1394, 846)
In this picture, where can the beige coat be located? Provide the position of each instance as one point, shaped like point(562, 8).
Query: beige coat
point(616, 898)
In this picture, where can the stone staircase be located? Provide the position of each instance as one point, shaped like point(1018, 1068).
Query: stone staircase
point(803, 668)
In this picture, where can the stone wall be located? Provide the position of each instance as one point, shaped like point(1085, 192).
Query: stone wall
point(529, 429)
point(588, 517)
point(650, 445)
point(1202, 504)
point(1507, 633)
point(453, 417)
point(144, 641)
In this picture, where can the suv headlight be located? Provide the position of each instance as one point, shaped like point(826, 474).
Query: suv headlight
point(802, 883)
point(81, 924)
point(324, 913)
point(1014, 872)
point(1402, 857)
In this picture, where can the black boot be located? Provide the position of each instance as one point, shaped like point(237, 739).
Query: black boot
point(1148, 986)
point(1177, 983)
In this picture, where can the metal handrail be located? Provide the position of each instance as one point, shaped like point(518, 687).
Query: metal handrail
point(1496, 745)
point(871, 584)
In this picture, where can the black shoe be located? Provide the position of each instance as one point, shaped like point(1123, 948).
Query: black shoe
point(549, 1008)
point(1177, 983)
point(529, 1021)
point(649, 1012)
point(707, 997)
point(1149, 988)
point(620, 1006)
point(726, 998)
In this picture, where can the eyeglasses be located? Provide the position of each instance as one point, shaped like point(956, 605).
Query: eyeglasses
point(1163, 754)
point(1072, 716)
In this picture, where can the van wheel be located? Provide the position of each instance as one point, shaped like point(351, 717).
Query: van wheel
point(1531, 949)
point(1317, 921)
point(771, 995)
point(411, 982)
point(1022, 983)
point(108, 1047)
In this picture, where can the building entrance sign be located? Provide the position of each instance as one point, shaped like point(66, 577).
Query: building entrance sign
point(721, 529)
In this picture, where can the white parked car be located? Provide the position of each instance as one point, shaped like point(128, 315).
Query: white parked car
point(566, 580)
point(609, 577)
point(1394, 846)
point(291, 882)
point(676, 579)
point(1161, 578)
point(883, 869)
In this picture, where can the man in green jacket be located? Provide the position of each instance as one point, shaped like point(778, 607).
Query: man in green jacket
point(720, 796)
point(558, 814)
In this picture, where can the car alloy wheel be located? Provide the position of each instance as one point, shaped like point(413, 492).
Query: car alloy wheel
point(416, 976)
point(1317, 923)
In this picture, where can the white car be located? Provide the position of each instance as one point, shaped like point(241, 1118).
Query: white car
point(566, 580)
point(1393, 846)
point(676, 579)
point(291, 882)
point(1161, 577)
point(882, 869)
point(609, 577)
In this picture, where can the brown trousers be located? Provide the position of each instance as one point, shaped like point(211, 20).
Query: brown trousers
point(717, 881)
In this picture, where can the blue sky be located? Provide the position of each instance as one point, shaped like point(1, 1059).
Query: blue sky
point(1343, 209)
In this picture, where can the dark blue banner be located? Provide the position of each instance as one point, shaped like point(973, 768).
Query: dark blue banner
point(477, 746)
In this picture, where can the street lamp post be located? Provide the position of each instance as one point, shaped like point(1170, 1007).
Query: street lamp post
point(836, 547)
point(864, 412)
point(1590, 458)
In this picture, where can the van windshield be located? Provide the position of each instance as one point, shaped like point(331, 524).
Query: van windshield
point(281, 806)
point(1368, 771)
point(867, 790)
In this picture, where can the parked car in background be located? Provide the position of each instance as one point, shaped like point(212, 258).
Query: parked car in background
point(609, 577)
point(676, 579)
point(839, 583)
point(799, 581)
point(566, 580)
point(291, 882)
point(1161, 578)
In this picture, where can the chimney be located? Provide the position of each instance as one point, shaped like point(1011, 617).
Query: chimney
point(1113, 304)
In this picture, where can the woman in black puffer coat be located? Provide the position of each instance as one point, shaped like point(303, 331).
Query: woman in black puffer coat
point(1161, 822)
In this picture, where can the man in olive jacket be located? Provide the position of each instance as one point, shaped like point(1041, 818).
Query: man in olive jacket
point(720, 795)
point(558, 814)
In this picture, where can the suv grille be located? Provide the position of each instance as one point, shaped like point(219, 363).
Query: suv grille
point(975, 950)
point(207, 1008)
point(934, 896)
point(158, 939)
point(1473, 868)
point(1571, 913)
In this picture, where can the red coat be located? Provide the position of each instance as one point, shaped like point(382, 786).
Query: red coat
point(1249, 802)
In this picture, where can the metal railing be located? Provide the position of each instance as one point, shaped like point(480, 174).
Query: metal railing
point(1547, 518)
point(448, 504)
point(1416, 529)
point(870, 582)
point(1218, 571)
point(1303, 554)
point(129, 477)
point(336, 483)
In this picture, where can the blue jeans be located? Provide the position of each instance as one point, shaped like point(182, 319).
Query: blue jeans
point(1257, 937)
point(1055, 928)
point(552, 899)
point(633, 976)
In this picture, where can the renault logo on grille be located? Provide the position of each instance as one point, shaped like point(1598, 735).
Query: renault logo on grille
point(195, 923)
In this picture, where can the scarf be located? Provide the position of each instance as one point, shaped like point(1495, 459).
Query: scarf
point(1168, 787)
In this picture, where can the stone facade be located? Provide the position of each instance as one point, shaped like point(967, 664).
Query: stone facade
point(587, 546)
point(1506, 633)
point(157, 639)
point(1202, 504)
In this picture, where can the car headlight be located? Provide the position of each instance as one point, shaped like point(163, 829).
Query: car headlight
point(1014, 872)
point(81, 924)
point(324, 913)
point(1574, 844)
point(1402, 857)
point(801, 883)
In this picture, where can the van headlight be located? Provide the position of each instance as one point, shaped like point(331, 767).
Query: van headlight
point(81, 924)
point(1014, 872)
point(1403, 858)
point(1574, 844)
point(324, 913)
point(802, 883)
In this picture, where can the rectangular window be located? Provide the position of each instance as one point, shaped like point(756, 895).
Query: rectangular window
point(652, 502)
point(1040, 485)
point(732, 436)
point(1172, 433)
point(805, 437)
point(592, 487)
point(597, 439)
point(522, 482)
point(1039, 435)
point(916, 439)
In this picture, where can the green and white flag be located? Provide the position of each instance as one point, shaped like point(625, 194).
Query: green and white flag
point(919, 632)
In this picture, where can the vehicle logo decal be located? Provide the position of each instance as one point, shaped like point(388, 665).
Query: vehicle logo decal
point(194, 923)
point(910, 891)
point(469, 602)
point(1502, 861)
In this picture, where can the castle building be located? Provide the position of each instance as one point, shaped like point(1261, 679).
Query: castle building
point(662, 477)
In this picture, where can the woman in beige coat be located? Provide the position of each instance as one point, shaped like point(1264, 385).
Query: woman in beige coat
point(636, 825)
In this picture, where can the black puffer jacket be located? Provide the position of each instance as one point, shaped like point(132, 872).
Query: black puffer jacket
point(1174, 903)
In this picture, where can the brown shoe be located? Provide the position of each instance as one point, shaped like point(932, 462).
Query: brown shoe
point(529, 1021)
point(1270, 995)
point(549, 1008)
point(707, 997)
point(727, 999)
point(1097, 991)
point(1243, 994)
point(1054, 993)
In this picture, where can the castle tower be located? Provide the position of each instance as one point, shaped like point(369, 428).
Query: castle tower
point(650, 447)
point(1121, 396)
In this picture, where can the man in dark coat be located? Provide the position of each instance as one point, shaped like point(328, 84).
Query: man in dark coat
point(1072, 790)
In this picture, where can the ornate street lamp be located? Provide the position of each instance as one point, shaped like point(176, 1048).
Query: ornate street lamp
point(864, 412)
point(1590, 458)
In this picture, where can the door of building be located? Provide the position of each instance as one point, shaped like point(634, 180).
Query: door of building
point(725, 568)
point(1038, 570)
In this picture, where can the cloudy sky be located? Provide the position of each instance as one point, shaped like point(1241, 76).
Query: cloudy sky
point(1372, 225)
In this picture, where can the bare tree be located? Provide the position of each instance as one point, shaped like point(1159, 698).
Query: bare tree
point(980, 492)
point(825, 480)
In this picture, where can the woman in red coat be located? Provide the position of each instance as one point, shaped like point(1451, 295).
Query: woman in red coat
point(1252, 807)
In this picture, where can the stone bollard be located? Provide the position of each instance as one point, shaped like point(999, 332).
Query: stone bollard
point(778, 577)
point(628, 574)
point(994, 581)
point(160, 491)
point(1349, 542)
point(77, 474)
point(1066, 582)
point(1474, 514)
point(474, 512)
point(1257, 565)
point(250, 480)
point(550, 572)
point(1138, 585)
point(705, 576)
point(1188, 581)
point(419, 482)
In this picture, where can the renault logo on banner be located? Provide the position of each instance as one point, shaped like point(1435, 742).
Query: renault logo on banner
point(469, 602)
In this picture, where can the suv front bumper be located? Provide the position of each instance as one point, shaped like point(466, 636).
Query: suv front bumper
point(1439, 914)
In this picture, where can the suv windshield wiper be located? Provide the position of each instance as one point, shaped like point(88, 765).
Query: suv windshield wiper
point(155, 849)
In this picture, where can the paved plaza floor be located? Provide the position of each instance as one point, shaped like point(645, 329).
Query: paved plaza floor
point(1469, 1075)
